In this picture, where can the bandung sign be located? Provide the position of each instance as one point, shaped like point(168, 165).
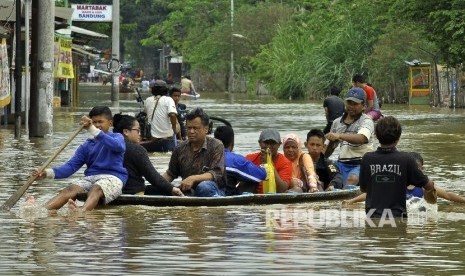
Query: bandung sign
point(86, 12)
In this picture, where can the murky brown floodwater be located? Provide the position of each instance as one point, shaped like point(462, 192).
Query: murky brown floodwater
point(276, 239)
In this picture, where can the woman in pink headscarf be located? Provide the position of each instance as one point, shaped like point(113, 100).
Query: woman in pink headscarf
point(304, 178)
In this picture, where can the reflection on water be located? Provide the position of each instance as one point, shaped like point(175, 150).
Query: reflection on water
point(245, 240)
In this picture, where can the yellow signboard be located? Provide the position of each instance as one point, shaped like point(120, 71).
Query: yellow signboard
point(420, 84)
point(63, 58)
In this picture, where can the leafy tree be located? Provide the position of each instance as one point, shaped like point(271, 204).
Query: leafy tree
point(298, 48)
point(442, 22)
point(389, 73)
point(321, 46)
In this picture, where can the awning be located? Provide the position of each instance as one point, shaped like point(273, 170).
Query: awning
point(82, 31)
point(82, 52)
point(81, 36)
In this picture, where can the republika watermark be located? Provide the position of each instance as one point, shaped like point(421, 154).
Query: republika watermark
point(331, 218)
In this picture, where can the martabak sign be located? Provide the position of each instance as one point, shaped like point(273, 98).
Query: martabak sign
point(87, 12)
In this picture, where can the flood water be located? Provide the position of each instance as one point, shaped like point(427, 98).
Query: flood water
point(290, 239)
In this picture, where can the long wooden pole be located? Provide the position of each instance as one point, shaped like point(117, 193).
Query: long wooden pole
point(17, 195)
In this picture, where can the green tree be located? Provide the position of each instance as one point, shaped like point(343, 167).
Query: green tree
point(442, 22)
point(389, 73)
point(322, 46)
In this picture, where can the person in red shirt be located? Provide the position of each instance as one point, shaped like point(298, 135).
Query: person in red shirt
point(372, 108)
point(270, 139)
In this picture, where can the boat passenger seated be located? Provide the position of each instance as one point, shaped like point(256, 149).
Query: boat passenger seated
point(137, 162)
point(328, 173)
point(271, 140)
point(304, 178)
point(199, 161)
point(238, 169)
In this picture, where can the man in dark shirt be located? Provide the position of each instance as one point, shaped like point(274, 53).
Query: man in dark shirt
point(386, 172)
point(334, 107)
point(199, 161)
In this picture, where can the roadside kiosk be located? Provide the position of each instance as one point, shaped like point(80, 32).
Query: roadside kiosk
point(419, 82)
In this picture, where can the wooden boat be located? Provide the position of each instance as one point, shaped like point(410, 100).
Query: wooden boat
point(194, 95)
point(244, 199)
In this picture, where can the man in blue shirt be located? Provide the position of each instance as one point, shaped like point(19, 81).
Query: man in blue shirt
point(238, 169)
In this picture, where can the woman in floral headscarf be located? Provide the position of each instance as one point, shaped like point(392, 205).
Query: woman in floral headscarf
point(304, 177)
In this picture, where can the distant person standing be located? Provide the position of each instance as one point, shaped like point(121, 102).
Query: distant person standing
point(334, 107)
point(187, 87)
point(161, 113)
point(372, 104)
point(169, 79)
point(175, 93)
point(153, 80)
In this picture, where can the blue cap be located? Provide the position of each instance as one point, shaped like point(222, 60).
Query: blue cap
point(355, 94)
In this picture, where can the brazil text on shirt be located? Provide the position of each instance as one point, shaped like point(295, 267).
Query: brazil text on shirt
point(385, 168)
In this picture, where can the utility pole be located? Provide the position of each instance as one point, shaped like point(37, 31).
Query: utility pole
point(231, 70)
point(115, 53)
point(41, 112)
point(27, 76)
point(18, 71)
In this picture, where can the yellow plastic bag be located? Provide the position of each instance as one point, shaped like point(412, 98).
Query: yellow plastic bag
point(269, 184)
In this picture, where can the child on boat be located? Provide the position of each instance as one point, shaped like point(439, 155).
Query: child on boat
point(328, 173)
point(103, 155)
point(137, 162)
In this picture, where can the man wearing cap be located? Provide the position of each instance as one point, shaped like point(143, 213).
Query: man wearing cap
point(270, 139)
point(161, 113)
point(353, 131)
